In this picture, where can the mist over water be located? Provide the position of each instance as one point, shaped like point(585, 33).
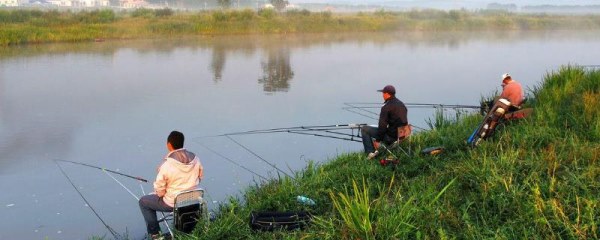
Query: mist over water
point(112, 104)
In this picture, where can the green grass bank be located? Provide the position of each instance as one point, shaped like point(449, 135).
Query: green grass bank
point(535, 179)
point(35, 26)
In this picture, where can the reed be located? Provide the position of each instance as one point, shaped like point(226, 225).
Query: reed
point(35, 26)
point(535, 179)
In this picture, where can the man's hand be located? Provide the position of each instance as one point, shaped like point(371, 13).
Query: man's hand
point(376, 145)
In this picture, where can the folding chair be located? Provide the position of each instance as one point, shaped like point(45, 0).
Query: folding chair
point(190, 207)
point(404, 133)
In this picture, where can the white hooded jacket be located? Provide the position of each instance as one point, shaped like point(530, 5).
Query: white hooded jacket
point(180, 171)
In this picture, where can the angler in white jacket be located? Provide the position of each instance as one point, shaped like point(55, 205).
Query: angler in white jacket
point(181, 170)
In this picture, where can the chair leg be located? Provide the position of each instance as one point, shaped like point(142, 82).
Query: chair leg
point(167, 224)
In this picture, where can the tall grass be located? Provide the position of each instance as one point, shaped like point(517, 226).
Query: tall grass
point(355, 211)
point(534, 179)
point(34, 26)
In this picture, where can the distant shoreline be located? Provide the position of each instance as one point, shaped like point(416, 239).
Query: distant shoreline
point(35, 26)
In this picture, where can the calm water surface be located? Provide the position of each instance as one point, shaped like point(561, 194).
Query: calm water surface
point(112, 104)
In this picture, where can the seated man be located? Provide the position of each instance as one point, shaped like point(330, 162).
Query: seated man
point(180, 170)
point(512, 90)
point(392, 116)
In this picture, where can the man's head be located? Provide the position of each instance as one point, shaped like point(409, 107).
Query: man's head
point(388, 91)
point(175, 140)
point(505, 79)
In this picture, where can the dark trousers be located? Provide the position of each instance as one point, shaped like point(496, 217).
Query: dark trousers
point(367, 133)
point(150, 204)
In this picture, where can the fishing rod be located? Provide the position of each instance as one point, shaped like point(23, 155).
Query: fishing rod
point(112, 231)
point(256, 155)
point(298, 128)
point(107, 171)
point(138, 199)
point(231, 161)
point(103, 169)
point(366, 105)
point(327, 136)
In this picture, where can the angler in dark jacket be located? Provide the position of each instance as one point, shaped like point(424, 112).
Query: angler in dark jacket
point(393, 115)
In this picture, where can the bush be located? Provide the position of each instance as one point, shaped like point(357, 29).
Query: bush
point(142, 12)
point(165, 12)
point(220, 16)
point(296, 12)
point(97, 16)
point(267, 13)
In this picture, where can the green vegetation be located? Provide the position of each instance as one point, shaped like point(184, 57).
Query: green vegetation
point(535, 179)
point(35, 26)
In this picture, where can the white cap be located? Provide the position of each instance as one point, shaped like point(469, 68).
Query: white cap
point(504, 76)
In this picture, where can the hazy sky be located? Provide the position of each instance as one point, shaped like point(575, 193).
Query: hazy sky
point(461, 3)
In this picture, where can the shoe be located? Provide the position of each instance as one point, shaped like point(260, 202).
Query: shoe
point(372, 155)
point(156, 237)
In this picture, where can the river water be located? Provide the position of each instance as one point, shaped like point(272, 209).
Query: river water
point(112, 104)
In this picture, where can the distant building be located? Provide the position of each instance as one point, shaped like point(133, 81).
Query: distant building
point(79, 3)
point(329, 9)
point(133, 3)
point(9, 3)
point(91, 3)
point(61, 3)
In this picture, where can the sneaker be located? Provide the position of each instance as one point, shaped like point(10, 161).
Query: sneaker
point(156, 237)
point(372, 155)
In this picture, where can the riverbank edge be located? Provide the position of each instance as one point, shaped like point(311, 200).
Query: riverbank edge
point(35, 26)
point(536, 179)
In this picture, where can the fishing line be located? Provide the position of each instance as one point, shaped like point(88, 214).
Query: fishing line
point(122, 185)
point(103, 169)
point(591, 66)
point(256, 155)
point(351, 109)
point(231, 161)
point(113, 232)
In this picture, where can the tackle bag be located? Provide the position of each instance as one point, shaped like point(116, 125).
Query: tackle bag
point(269, 221)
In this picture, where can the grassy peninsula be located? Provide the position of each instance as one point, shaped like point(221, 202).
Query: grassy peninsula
point(35, 26)
point(535, 179)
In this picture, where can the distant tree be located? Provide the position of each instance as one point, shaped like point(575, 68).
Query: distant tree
point(224, 3)
point(504, 7)
point(279, 4)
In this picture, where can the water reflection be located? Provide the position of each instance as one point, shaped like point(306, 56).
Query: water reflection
point(217, 63)
point(277, 71)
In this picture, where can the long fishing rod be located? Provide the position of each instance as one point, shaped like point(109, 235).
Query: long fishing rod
point(414, 105)
point(256, 155)
point(138, 199)
point(112, 231)
point(327, 136)
point(231, 161)
point(103, 169)
point(298, 128)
